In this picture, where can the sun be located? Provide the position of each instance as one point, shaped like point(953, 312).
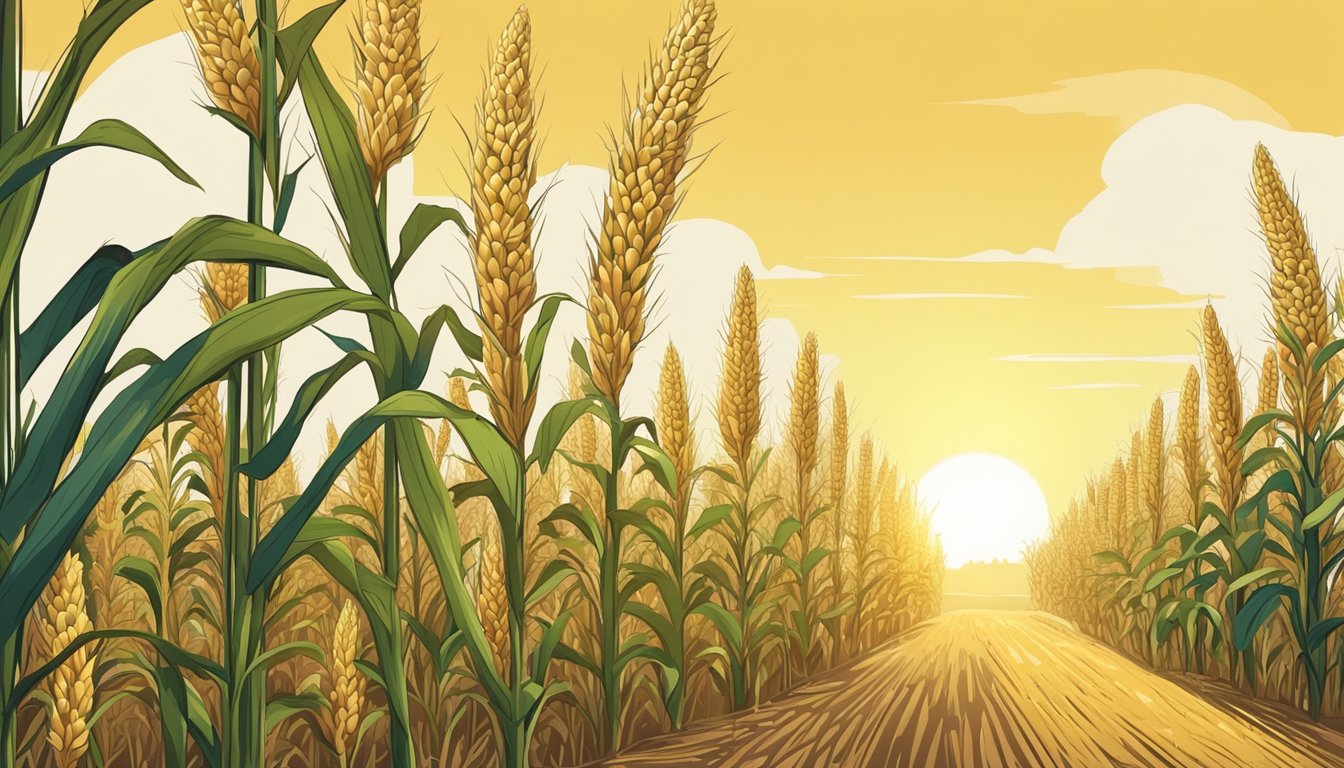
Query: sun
point(984, 507)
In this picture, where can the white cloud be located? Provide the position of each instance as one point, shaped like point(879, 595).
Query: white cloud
point(1131, 95)
point(1192, 304)
point(101, 196)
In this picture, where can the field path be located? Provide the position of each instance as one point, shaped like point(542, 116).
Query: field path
point(1000, 688)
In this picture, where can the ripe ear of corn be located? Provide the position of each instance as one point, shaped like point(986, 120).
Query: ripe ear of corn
point(227, 58)
point(649, 157)
point(739, 412)
point(389, 83)
point(1295, 290)
point(503, 174)
point(674, 420)
point(347, 683)
point(71, 685)
point(1225, 418)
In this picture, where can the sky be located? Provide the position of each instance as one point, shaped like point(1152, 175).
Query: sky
point(1001, 219)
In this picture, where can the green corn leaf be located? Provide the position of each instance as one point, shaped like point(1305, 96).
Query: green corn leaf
point(72, 302)
point(709, 517)
point(467, 340)
point(277, 449)
point(112, 134)
point(148, 401)
point(488, 448)
point(54, 431)
point(351, 187)
point(431, 507)
point(295, 42)
point(1258, 422)
point(1322, 630)
point(725, 622)
point(422, 223)
point(554, 426)
point(47, 121)
point(1161, 577)
point(1247, 579)
point(1257, 610)
point(536, 340)
point(286, 198)
point(144, 575)
point(1324, 512)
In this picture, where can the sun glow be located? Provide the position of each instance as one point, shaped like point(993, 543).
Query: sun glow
point(984, 507)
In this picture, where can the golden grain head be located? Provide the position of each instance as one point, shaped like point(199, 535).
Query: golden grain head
point(227, 58)
point(224, 289)
point(1187, 430)
point(674, 419)
point(1295, 281)
point(347, 682)
point(503, 175)
point(389, 83)
point(839, 447)
point(492, 601)
point(207, 438)
point(1268, 390)
point(804, 407)
point(71, 685)
point(863, 479)
point(739, 411)
point(1224, 391)
point(649, 157)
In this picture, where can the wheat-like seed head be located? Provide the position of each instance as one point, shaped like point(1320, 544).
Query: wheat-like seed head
point(1133, 482)
point(347, 683)
point(227, 58)
point(674, 420)
point(503, 175)
point(739, 412)
point(71, 684)
point(1295, 290)
point(225, 289)
point(333, 437)
point(1224, 389)
point(389, 83)
point(863, 479)
point(805, 408)
point(839, 448)
point(1268, 390)
point(1154, 470)
point(1119, 502)
point(368, 490)
point(1187, 434)
point(492, 600)
point(207, 438)
point(649, 157)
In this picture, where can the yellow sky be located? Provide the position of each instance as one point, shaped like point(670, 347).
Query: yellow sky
point(839, 139)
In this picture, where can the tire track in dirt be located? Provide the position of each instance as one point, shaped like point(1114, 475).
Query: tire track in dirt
point(1000, 688)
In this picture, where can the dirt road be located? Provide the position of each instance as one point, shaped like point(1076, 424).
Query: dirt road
point(1000, 688)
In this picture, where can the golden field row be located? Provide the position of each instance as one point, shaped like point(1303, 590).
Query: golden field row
point(459, 583)
point(1214, 543)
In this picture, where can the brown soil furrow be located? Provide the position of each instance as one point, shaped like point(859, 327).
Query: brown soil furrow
point(1000, 688)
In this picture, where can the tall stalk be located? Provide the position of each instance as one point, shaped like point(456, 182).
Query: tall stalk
point(11, 118)
point(394, 676)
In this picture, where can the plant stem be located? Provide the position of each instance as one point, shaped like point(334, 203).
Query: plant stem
point(402, 747)
point(611, 618)
point(11, 119)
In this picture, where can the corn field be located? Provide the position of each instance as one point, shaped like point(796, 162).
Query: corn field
point(1213, 544)
point(475, 576)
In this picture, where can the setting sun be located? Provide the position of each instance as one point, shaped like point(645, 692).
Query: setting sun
point(984, 507)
